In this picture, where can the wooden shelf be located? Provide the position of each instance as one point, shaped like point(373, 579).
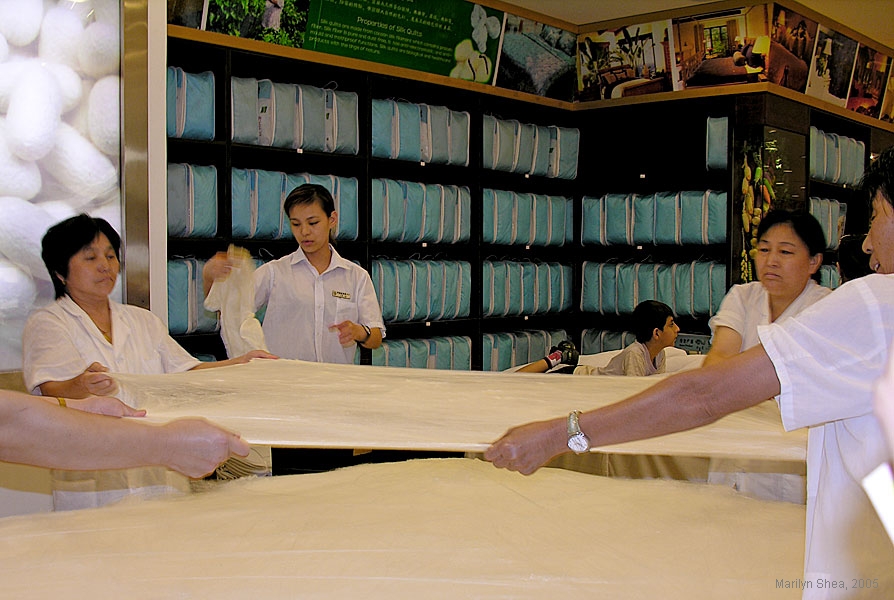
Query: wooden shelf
point(266, 48)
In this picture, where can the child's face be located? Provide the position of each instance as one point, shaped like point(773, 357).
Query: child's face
point(311, 226)
point(668, 335)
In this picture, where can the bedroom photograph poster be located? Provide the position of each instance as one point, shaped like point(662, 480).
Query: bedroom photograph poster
point(629, 61)
point(830, 74)
point(868, 82)
point(723, 48)
point(792, 40)
point(537, 58)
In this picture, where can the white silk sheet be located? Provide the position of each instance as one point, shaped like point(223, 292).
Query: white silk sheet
point(450, 528)
point(286, 403)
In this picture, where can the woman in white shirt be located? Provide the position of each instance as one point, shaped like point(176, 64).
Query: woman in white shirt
point(789, 252)
point(70, 346)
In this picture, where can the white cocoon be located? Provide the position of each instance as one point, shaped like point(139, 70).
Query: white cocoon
point(77, 117)
point(20, 20)
point(60, 36)
point(4, 48)
point(98, 52)
point(17, 291)
point(70, 85)
point(10, 72)
point(21, 229)
point(53, 191)
point(59, 210)
point(107, 11)
point(103, 115)
point(78, 165)
point(34, 114)
point(82, 8)
point(111, 212)
point(18, 177)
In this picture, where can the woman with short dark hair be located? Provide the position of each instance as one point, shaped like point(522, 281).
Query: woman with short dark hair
point(70, 346)
point(789, 253)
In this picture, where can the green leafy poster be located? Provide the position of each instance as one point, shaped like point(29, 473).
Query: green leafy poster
point(457, 39)
point(280, 22)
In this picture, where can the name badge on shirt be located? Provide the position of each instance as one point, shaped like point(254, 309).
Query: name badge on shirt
point(342, 295)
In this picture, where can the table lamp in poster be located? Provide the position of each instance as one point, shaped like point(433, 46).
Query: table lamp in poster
point(453, 38)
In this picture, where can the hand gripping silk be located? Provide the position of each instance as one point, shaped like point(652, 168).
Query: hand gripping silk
point(234, 297)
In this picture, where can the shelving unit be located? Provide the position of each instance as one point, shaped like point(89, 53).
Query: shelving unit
point(641, 145)
point(196, 56)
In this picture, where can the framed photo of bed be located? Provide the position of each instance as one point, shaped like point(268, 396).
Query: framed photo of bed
point(627, 61)
point(725, 49)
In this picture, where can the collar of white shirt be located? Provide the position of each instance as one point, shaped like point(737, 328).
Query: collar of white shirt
point(336, 262)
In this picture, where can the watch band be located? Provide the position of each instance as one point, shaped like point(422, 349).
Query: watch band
point(578, 442)
point(368, 333)
point(574, 422)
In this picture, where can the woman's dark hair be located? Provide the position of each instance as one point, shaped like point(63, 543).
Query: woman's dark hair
point(648, 316)
point(65, 239)
point(308, 194)
point(879, 176)
point(852, 261)
point(805, 226)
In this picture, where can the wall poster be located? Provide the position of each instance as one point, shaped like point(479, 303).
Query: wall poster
point(792, 40)
point(457, 39)
point(629, 61)
point(722, 48)
point(282, 22)
point(462, 39)
point(538, 59)
point(868, 82)
point(833, 64)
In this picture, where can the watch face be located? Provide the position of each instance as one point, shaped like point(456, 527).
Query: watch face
point(579, 443)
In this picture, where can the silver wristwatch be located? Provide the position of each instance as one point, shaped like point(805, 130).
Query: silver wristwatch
point(577, 439)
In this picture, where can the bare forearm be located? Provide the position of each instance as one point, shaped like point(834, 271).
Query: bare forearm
point(685, 401)
point(36, 432)
point(712, 358)
point(681, 402)
point(42, 434)
point(540, 366)
point(375, 339)
point(726, 344)
point(71, 388)
point(236, 360)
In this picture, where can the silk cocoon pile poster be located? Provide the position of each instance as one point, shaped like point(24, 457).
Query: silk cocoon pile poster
point(452, 38)
point(458, 39)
